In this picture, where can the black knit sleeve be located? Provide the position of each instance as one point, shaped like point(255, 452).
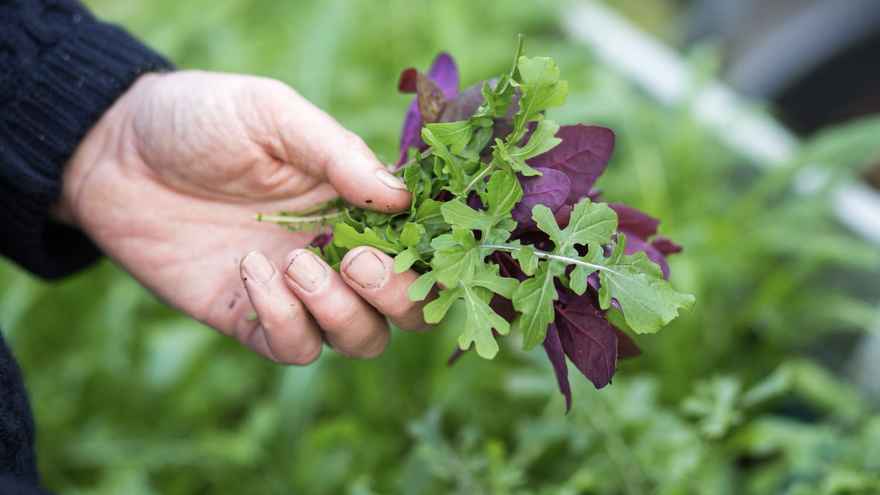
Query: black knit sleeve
point(18, 465)
point(60, 69)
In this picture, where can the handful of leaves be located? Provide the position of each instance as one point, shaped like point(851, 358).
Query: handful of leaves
point(505, 225)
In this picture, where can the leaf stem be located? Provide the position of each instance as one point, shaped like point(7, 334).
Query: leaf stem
point(476, 179)
point(520, 46)
point(292, 219)
point(421, 156)
point(550, 256)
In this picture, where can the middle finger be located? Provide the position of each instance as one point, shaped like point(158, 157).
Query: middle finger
point(351, 326)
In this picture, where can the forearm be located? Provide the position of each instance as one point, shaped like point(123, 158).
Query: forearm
point(63, 70)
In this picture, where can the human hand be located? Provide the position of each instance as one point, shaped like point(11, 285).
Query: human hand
point(168, 183)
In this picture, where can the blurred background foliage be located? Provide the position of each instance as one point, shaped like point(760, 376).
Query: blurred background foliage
point(749, 393)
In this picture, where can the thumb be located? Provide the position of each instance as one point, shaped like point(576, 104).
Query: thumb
point(317, 144)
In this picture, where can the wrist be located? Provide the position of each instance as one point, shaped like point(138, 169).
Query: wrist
point(108, 142)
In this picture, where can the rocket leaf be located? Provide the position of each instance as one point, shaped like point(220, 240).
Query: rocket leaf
point(647, 300)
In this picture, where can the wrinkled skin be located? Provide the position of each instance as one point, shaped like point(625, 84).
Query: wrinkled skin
point(168, 184)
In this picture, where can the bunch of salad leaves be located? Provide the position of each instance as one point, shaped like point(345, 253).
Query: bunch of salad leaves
point(505, 227)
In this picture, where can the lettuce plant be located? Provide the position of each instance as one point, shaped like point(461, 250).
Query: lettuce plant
point(506, 227)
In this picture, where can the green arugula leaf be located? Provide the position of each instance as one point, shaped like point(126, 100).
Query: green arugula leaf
point(541, 141)
point(418, 182)
point(456, 258)
point(436, 310)
point(455, 318)
point(501, 155)
point(503, 193)
point(346, 236)
point(421, 287)
point(498, 98)
point(458, 265)
point(454, 135)
point(495, 224)
point(428, 215)
point(412, 234)
point(647, 300)
point(405, 260)
point(589, 223)
point(577, 282)
point(534, 300)
point(449, 164)
point(488, 278)
point(481, 319)
point(526, 258)
point(541, 88)
point(481, 138)
point(461, 215)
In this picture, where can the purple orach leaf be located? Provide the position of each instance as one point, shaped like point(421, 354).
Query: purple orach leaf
point(588, 339)
point(634, 221)
point(556, 355)
point(626, 346)
point(409, 135)
point(507, 266)
point(583, 155)
point(444, 72)
point(665, 246)
point(550, 189)
point(444, 75)
point(407, 81)
point(430, 99)
point(464, 105)
point(563, 215)
point(322, 240)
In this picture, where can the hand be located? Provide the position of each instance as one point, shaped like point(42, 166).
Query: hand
point(168, 184)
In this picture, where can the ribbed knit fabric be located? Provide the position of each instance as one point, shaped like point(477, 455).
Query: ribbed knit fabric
point(60, 69)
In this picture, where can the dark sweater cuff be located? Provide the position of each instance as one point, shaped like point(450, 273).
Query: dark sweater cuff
point(63, 95)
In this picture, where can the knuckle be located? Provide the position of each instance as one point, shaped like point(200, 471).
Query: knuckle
point(401, 309)
point(308, 354)
point(343, 317)
point(352, 141)
point(270, 323)
point(275, 176)
point(377, 345)
point(371, 347)
point(245, 330)
point(334, 158)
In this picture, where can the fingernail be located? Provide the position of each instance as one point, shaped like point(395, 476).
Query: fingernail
point(367, 270)
point(306, 271)
point(390, 180)
point(258, 268)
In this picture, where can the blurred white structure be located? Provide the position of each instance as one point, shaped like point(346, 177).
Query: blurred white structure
point(663, 73)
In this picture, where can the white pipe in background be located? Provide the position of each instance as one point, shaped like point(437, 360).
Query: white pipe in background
point(665, 75)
